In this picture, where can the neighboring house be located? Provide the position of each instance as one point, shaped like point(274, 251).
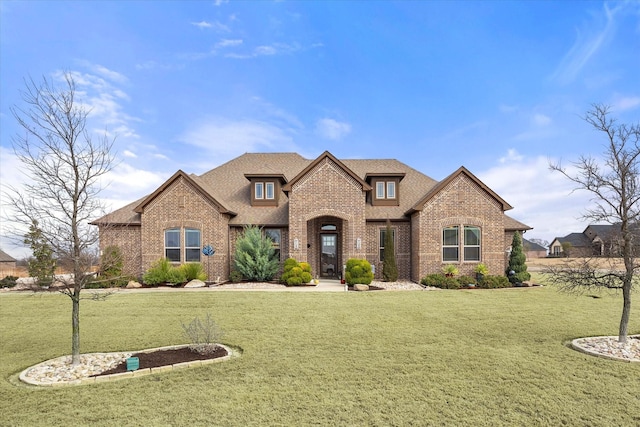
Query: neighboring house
point(533, 250)
point(595, 240)
point(7, 264)
point(322, 211)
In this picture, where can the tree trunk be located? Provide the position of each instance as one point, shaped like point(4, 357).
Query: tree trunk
point(626, 311)
point(75, 328)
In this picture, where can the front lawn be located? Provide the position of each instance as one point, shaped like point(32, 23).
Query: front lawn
point(471, 357)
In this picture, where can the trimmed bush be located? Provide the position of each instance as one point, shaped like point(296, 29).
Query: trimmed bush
point(465, 281)
point(494, 282)
point(440, 281)
point(296, 273)
point(517, 260)
point(358, 271)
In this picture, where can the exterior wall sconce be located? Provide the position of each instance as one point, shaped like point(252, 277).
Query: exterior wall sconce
point(296, 244)
point(358, 243)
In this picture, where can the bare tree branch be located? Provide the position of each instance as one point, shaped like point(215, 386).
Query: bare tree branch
point(614, 183)
point(63, 162)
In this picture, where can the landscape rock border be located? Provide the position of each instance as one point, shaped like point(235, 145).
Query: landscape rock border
point(24, 375)
point(607, 347)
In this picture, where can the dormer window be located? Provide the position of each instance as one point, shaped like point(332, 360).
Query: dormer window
point(265, 189)
point(385, 188)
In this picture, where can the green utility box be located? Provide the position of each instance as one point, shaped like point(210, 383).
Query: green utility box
point(133, 364)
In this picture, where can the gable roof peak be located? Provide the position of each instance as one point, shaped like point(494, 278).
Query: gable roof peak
point(193, 180)
point(326, 155)
point(442, 184)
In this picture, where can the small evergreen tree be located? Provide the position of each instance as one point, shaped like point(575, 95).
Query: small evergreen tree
point(42, 266)
point(389, 267)
point(517, 260)
point(255, 255)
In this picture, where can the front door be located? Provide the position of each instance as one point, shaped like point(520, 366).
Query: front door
point(329, 266)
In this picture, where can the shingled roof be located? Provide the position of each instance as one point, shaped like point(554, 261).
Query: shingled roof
point(5, 257)
point(229, 187)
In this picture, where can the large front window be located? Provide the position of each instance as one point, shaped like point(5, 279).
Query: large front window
point(469, 240)
point(174, 245)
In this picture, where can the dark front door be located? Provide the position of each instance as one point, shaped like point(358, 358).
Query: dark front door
point(329, 263)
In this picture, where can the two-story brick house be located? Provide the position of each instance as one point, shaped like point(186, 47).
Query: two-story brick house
point(322, 211)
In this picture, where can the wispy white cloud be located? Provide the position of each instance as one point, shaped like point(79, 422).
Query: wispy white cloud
point(128, 153)
point(225, 138)
point(220, 2)
point(272, 50)
point(589, 40)
point(332, 129)
point(540, 120)
point(228, 43)
point(624, 103)
point(202, 24)
point(542, 199)
point(98, 94)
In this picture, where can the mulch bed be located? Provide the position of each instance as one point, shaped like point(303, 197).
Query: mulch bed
point(159, 358)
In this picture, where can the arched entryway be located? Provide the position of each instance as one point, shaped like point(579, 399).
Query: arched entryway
point(324, 250)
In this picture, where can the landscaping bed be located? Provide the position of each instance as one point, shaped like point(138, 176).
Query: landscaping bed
point(166, 357)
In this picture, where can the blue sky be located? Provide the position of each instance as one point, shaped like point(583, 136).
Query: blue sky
point(499, 87)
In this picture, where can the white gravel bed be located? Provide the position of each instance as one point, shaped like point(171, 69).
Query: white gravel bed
point(398, 286)
point(609, 347)
point(60, 369)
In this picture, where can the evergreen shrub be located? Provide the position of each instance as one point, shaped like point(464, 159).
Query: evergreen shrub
point(8, 282)
point(494, 282)
point(517, 261)
point(255, 255)
point(296, 273)
point(358, 271)
point(441, 281)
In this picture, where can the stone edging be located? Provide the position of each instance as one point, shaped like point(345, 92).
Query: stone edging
point(577, 344)
point(131, 374)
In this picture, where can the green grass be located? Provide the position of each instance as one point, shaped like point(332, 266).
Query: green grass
point(381, 358)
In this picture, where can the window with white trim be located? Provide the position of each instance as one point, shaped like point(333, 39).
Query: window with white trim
point(391, 189)
point(172, 244)
point(192, 245)
point(471, 243)
point(270, 193)
point(259, 190)
point(450, 244)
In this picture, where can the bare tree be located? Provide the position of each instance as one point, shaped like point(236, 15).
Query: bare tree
point(63, 164)
point(614, 183)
